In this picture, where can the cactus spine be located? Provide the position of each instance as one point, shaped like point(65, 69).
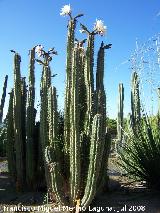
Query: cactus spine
point(120, 114)
point(30, 124)
point(3, 98)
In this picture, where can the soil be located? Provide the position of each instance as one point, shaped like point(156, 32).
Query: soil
point(122, 195)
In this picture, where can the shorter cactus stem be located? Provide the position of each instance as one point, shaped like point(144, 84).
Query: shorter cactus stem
point(120, 114)
point(10, 149)
point(3, 98)
point(135, 100)
point(96, 152)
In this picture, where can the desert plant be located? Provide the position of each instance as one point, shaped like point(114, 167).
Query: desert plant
point(135, 100)
point(140, 156)
point(3, 98)
point(23, 147)
point(84, 137)
point(10, 143)
point(120, 115)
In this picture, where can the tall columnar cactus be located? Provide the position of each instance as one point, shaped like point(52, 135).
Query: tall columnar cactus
point(120, 114)
point(81, 182)
point(135, 99)
point(89, 82)
point(45, 84)
point(101, 109)
point(17, 109)
point(75, 131)
point(10, 145)
point(30, 123)
point(3, 98)
point(70, 47)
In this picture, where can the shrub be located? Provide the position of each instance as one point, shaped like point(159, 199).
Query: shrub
point(140, 156)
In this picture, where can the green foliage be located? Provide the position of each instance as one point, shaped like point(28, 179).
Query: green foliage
point(140, 157)
point(111, 126)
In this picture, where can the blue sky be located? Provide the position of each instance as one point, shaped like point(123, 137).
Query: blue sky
point(29, 22)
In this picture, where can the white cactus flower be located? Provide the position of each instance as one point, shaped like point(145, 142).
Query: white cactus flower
point(38, 50)
point(99, 27)
point(82, 31)
point(66, 10)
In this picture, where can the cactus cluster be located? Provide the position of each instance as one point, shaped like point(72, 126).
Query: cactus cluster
point(76, 174)
point(72, 149)
point(23, 147)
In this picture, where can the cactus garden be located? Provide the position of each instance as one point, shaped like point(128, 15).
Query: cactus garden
point(78, 146)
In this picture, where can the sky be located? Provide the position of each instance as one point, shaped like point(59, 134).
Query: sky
point(27, 23)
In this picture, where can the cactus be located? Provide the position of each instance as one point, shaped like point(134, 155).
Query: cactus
point(70, 46)
point(120, 115)
point(75, 160)
point(30, 124)
point(3, 98)
point(101, 109)
point(89, 83)
point(10, 149)
point(135, 100)
point(81, 182)
point(17, 109)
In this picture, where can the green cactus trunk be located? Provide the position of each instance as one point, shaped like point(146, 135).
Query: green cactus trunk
point(135, 100)
point(10, 146)
point(120, 115)
point(18, 134)
point(70, 47)
point(45, 84)
point(96, 153)
point(101, 109)
point(53, 168)
point(30, 125)
point(3, 98)
point(75, 131)
point(89, 83)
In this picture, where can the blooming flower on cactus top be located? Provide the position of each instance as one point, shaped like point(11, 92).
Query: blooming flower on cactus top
point(82, 31)
point(66, 10)
point(99, 27)
point(38, 50)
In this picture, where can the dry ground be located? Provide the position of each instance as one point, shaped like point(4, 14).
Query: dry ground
point(123, 196)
